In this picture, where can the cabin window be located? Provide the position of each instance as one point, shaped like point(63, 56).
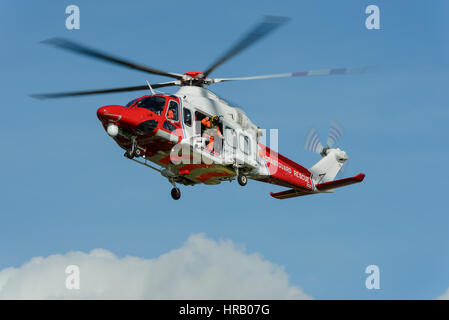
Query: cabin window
point(153, 103)
point(231, 137)
point(187, 117)
point(172, 111)
point(244, 144)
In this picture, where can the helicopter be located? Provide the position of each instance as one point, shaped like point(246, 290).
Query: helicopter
point(195, 137)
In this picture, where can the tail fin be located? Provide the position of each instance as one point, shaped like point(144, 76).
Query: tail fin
point(327, 168)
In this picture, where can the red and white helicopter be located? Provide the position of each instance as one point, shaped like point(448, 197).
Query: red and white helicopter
point(168, 132)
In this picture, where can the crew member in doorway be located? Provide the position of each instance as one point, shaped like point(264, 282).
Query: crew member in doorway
point(212, 131)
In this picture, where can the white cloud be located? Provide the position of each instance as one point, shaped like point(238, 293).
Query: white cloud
point(201, 269)
point(445, 296)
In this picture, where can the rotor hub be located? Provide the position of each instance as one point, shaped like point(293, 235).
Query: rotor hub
point(194, 74)
point(193, 78)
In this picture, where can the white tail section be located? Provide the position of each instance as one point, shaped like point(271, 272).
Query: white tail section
point(327, 168)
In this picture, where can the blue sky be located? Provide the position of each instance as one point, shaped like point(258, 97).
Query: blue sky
point(66, 186)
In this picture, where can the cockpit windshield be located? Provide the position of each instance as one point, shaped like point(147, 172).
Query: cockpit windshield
point(153, 103)
point(129, 104)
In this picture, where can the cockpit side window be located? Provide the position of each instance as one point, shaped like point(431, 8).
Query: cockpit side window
point(153, 103)
point(173, 111)
point(129, 104)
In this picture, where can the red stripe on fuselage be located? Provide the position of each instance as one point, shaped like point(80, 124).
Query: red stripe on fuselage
point(284, 171)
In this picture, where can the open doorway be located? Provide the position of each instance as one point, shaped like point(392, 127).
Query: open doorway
point(212, 133)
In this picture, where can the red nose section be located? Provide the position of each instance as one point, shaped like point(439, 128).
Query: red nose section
point(129, 118)
point(110, 113)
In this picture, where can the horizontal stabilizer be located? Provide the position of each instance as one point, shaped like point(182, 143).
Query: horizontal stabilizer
point(291, 193)
point(340, 183)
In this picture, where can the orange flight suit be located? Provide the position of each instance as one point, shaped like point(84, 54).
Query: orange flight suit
point(208, 124)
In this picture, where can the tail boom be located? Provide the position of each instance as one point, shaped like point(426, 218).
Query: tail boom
point(280, 170)
point(284, 172)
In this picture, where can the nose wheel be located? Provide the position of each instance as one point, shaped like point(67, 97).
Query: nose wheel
point(130, 154)
point(134, 151)
point(175, 193)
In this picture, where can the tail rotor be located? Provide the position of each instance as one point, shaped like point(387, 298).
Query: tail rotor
point(336, 130)
point(333, 160)
point(313, 142)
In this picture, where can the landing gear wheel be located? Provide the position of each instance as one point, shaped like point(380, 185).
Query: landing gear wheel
point(138, 153)
point(242, 180)
point(129, 154)
point(175, 193)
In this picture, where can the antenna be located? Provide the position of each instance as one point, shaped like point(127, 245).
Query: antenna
point(149, 86)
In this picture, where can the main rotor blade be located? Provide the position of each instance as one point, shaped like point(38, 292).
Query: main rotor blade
point(102, 91)
point(77, 48)
point(336, 130)
point(322, 72)
point(269, 24)
point(312, 142)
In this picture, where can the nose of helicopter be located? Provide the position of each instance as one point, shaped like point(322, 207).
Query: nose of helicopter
point(110, 113)
point(114, 116)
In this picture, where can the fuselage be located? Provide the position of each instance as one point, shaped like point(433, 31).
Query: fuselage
point(159, 123)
